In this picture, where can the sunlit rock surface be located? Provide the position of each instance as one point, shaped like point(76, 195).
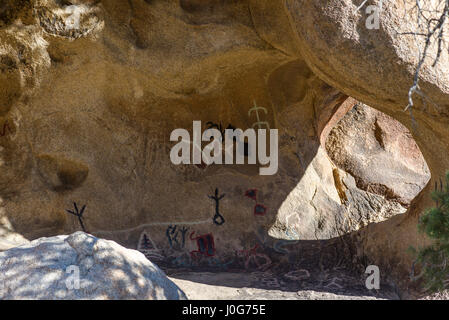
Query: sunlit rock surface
point(81, 266)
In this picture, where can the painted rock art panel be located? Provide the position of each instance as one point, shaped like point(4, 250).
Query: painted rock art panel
point(87, 115)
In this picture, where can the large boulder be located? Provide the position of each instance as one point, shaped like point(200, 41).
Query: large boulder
point(380, 153)
point(47, 268)
point(375, 65)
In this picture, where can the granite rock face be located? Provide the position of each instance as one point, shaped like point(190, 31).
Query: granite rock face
point(81, 266)
point(380, 153)
point(91, 91)
point(375, 65)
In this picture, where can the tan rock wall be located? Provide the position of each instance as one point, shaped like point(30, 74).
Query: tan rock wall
point(92, 90)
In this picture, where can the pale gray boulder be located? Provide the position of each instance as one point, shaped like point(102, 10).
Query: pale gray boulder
point(47, 268)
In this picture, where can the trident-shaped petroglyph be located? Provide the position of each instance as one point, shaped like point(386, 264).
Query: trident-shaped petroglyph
point(258, 123)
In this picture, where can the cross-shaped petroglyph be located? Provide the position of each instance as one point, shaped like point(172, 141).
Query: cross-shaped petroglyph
point(78, 214)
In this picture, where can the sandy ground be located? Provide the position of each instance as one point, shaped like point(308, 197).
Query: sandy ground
point(267, 286)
